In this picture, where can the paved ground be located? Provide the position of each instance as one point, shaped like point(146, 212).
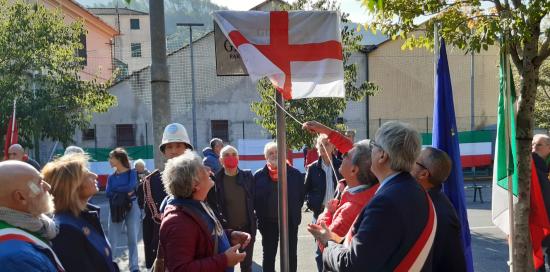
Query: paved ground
point(489, 246)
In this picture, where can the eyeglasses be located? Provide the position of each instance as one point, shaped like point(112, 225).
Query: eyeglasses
point(424, 167)
point(372, 144)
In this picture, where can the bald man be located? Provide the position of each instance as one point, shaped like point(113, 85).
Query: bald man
point(24, 229)
point(16, 152)
point(431, 169)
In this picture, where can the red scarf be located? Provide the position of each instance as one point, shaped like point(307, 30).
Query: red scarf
point(273, 173)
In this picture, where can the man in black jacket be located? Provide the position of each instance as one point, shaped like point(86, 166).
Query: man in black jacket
point(233, 198)
point(322, 177)
point(431, 169)
point(266, 204)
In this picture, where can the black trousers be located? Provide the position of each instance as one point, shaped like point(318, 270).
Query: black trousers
point(150, 240)
point(270, 242)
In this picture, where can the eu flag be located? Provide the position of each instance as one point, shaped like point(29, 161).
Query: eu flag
point(445, 137)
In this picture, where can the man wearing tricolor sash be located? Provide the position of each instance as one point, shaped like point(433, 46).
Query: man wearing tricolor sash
point(24, 229)
point(396, 230)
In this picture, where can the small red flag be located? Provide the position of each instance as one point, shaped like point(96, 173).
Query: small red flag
point(11, 135)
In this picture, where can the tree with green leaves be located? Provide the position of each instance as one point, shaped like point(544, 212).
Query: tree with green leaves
point(39, 67)
point(542, 102)
point(473, 25)
point(324, 110)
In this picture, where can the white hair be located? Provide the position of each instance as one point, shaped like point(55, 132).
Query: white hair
point(401, 142)
point(139, 161)
point(228, 148)
point(181, 174)
point(269, 146)
point(73, 149)
point(545, 137)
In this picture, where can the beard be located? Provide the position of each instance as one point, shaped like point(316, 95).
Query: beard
point(41, 204)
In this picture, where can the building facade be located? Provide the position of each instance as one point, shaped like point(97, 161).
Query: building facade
point(97, 41)
point(132, 48)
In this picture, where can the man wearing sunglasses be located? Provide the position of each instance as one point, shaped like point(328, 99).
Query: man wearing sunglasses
point(431, 169)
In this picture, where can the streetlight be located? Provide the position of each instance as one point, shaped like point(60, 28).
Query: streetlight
point(193, 102)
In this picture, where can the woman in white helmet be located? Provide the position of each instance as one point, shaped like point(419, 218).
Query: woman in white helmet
point(175, 141)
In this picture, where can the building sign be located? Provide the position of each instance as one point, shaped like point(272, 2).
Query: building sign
point(228, 60)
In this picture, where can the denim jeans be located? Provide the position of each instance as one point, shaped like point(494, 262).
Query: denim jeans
point(132, 223)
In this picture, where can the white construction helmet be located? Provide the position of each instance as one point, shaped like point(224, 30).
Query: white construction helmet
point(175, 133)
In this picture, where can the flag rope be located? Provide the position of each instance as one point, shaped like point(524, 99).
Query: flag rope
point(300, 123)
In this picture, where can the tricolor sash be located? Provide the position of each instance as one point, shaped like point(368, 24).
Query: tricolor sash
point(10, 233)
point(417, 255)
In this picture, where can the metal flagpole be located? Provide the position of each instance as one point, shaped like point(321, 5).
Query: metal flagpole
point(436, 51)
point(13, 119)
point(282, 184)
point(507, 111)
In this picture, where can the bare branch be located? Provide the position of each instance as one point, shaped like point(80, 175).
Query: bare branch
point(517, 3)
point(545, 92)
point(498, 5)
point(544, 52)
point(515, 57)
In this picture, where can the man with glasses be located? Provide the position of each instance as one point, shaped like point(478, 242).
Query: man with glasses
point(395, 230)
point(540, 155)
point(431, 169)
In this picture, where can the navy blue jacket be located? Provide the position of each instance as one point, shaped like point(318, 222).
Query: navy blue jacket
point(385, 230)
point(216, 198)
point(77, 246)
point(448, 254)
point(316, 183)
point(154, 182)
point(211, 159)
point(265, 190)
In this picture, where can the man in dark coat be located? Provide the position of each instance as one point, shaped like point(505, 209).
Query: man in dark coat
point(16, 152)
point(266, 204)
point(175, 141)
point(540, 154)
point(393, 225)
point(322, 177)
point(431, 169)
point(233, 196)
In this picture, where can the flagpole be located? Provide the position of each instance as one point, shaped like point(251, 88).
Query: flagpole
point(282, 184)
point(13, 119)
point(507, 111)
point(436, 50)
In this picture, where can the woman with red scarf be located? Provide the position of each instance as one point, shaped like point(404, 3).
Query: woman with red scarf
point(267, 208)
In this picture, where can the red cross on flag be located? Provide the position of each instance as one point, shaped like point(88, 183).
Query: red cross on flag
point(299, 51)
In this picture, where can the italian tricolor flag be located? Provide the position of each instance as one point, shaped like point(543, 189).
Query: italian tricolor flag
point(505, 171)
point(99, 160)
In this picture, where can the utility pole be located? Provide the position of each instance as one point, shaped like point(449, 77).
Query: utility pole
point(193, 91)
point(160, 81)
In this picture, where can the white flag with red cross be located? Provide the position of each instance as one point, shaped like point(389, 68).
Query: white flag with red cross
point(299, 51)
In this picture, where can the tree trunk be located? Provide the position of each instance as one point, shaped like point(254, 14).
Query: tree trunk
point(524, 135)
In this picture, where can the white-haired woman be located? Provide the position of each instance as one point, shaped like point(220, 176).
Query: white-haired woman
point(191, 238)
